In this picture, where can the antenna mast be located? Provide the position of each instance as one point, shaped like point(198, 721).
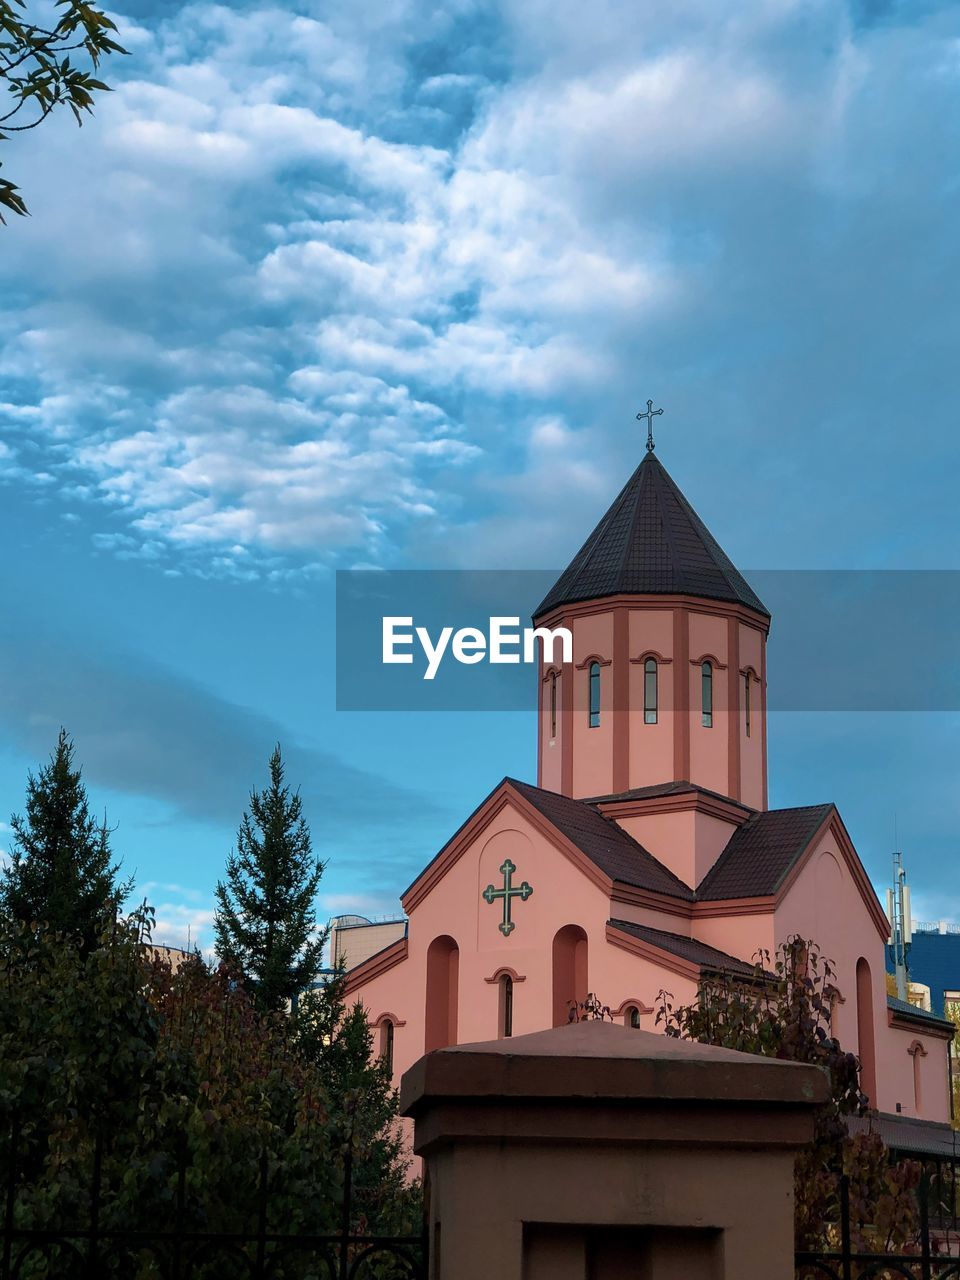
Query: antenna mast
point(901, 931)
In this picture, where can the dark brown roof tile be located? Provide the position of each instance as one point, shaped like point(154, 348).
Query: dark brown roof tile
point(759, 854)
point(607, 845)
point(690, 949)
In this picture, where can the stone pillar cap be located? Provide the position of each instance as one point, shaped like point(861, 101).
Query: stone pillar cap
point(603, 1061)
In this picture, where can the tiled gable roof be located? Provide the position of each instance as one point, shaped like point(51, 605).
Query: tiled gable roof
point(607, 845)
point(689, 949)
point(759, 854)
point(651, 541)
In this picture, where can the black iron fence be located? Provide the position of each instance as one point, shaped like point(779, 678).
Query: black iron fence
point(176, 1248)
point(933, 1253)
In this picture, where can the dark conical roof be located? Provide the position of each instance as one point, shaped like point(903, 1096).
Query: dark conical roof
point(651, 542)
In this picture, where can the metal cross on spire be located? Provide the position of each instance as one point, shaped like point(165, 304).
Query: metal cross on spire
point(649, 416)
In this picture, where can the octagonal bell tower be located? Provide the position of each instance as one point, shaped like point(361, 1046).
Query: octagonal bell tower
point(668, 678)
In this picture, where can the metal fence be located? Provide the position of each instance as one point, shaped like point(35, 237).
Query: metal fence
point(933, 1255)
point(176, 1249)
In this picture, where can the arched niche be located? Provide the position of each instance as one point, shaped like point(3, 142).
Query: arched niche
point(442, 1000)
point(569, 971)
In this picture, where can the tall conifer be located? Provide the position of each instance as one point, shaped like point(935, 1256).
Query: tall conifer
point(265, 922)
point(60, 873)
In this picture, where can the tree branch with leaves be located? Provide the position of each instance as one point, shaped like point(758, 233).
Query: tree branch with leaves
point(45, 67)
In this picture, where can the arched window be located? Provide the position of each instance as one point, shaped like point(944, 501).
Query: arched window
point(443, 980)
point(594, 695)
point(746, 699)
point(553, 704)
point(650, 691)
point(916, 1052)
point(569, 971)
point(386, 1043)
point(706, 694)
point(506, 1005)
point(865, 1044)
point(632, 1017)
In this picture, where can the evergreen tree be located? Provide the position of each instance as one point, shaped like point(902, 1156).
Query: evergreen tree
point(60, 874)
point(265, 922)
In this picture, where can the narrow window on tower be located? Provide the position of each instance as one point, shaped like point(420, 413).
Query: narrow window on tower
point(746, 699)
point(553, 704)
point(594, 695)
point(633, 1017)
point(650, 691)
point(706, 694)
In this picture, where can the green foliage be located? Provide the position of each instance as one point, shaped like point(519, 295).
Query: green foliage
point(338, 1041)
point(39, 74)
point(176, 1069)
point(60, 874)
point(265, 922)
point(785, 1011)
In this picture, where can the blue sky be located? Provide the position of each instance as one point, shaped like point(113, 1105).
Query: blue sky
point(340, 285)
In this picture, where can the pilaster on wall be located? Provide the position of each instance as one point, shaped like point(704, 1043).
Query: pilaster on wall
point(681, 694)
point(566, 729)
point(621, 699)
point(733, 709)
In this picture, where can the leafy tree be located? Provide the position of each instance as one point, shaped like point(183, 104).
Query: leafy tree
point(363, 1102)
point(266, 922)
point(60, 874)
point(173, 1075)
point(784, 1010)
point(39, 74)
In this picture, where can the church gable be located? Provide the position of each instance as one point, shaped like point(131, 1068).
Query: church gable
point(596, 845)
point(830, 869)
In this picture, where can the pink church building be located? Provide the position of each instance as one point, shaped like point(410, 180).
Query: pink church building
point(646, 856)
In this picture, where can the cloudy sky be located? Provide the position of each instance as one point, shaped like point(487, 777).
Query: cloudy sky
point(331, 285)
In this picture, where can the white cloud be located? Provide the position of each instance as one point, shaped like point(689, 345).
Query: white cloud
point(310, 295)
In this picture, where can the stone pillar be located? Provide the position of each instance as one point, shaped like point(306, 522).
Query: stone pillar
point(596, 1152)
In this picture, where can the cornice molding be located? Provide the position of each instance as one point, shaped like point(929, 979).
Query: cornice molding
point(645, 603)
point(676, 802)
point(899, 1020)
point(735, 907)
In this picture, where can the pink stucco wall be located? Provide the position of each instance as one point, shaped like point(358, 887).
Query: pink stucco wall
point(686, 841)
